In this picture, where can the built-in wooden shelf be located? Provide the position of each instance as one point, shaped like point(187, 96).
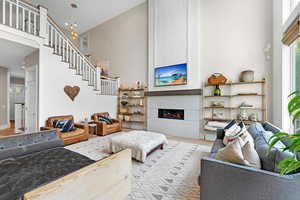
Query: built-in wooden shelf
point(232, 99)
point(174, 93)
point(135, 98)
point(235, 95)
point(134, 114)
point(234, 108)
point(131, 90)
point(240, 83)
point(131, 113)
point(133, 121)
point(227, 120)
point(135, 105)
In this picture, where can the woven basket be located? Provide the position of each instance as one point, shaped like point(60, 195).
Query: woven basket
point(217, 79)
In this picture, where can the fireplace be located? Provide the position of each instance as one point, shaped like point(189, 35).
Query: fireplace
point(171, 114)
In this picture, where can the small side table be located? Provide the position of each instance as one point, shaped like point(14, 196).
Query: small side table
point(92, 129)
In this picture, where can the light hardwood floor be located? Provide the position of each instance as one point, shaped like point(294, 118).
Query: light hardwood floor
point(9, 131)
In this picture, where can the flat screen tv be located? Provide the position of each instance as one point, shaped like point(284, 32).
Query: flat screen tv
point(171, 75)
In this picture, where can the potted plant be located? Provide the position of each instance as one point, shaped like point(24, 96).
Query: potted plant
point(289, 164)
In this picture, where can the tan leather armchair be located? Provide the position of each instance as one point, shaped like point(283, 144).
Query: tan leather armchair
point(80, 134)
point(104, 128)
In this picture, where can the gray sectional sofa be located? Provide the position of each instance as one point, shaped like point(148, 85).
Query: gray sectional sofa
point(228, 181)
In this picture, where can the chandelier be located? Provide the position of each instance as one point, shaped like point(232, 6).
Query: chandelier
point(72, 26)
point(72, 29)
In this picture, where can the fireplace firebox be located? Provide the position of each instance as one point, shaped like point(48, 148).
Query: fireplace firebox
point(177, 114)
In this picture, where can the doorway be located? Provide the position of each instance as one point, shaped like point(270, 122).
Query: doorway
point(21, 62)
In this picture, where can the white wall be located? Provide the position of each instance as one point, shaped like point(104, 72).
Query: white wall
point(278, 100)
point(122, 43)
point(174, 39)
point(234, 35)
point(54, 75)
point(4, 98)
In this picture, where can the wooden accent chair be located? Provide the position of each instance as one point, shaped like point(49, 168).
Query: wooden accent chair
point(104, 128)
point(80, 134)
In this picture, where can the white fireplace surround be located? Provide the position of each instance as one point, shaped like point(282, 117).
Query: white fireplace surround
point(187, 128)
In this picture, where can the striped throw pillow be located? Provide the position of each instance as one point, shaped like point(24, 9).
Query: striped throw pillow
point(105, 119)
point(65, 125)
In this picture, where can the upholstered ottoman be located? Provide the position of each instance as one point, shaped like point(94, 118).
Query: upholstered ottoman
point(141, 143)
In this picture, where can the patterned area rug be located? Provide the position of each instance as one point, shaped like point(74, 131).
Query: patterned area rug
point(169, 174)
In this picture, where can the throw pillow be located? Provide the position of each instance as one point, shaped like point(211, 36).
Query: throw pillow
point(231, 133)
point(256, 129)
point(245, 135)
point(230, 124)
point(234, 152)
point(251, 155)
point(237, 131)
point(65, 125)
point(105, 119)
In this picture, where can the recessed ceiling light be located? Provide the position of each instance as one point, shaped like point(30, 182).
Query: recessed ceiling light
point(66, 24)
point(73, 5)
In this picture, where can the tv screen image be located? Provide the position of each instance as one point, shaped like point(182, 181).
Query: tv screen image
point(171, 75)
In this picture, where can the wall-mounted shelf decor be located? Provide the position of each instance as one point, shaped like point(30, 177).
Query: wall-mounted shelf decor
point(240, 101)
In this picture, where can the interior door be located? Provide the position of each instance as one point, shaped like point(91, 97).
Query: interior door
point(31, 99)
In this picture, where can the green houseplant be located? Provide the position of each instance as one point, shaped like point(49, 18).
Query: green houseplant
point(289, 164)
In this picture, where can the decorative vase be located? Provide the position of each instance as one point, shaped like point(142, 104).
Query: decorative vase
point(217, 91)
point(247, 76)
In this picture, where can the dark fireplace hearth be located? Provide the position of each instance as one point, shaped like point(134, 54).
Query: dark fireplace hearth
point(177, 114)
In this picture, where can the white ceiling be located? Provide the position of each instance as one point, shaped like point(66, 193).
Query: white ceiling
point(89, 13)
point(12, 56)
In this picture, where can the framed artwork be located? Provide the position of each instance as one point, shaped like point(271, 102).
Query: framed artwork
point(171, 75)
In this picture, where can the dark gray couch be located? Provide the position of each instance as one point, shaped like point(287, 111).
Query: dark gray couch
point(227, 181)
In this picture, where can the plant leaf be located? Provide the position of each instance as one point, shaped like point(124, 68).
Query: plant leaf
point(293, 102)
point(297, 92)
point(296, 115)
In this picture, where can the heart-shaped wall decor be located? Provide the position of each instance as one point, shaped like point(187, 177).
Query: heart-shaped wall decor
point(72, 92)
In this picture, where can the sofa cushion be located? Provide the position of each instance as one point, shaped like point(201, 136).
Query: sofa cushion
point(114, 125)
point(270, 159)
point(218, 144)
point(74, 133)
point(274, 129)
point(270, 127)
point(23, 144)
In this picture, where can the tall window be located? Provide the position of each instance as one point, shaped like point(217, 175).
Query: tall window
point(296, 72)
point(293, 4)
point(296, 66)
point(288, 7)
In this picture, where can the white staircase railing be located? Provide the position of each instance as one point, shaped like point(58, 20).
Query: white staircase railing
point(23, 16)
point(20, 15)
point(109, 87)
point(64, 47)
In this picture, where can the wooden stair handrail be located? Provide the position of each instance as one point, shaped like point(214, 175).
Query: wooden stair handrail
point(29, 4)
point(53, 23)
